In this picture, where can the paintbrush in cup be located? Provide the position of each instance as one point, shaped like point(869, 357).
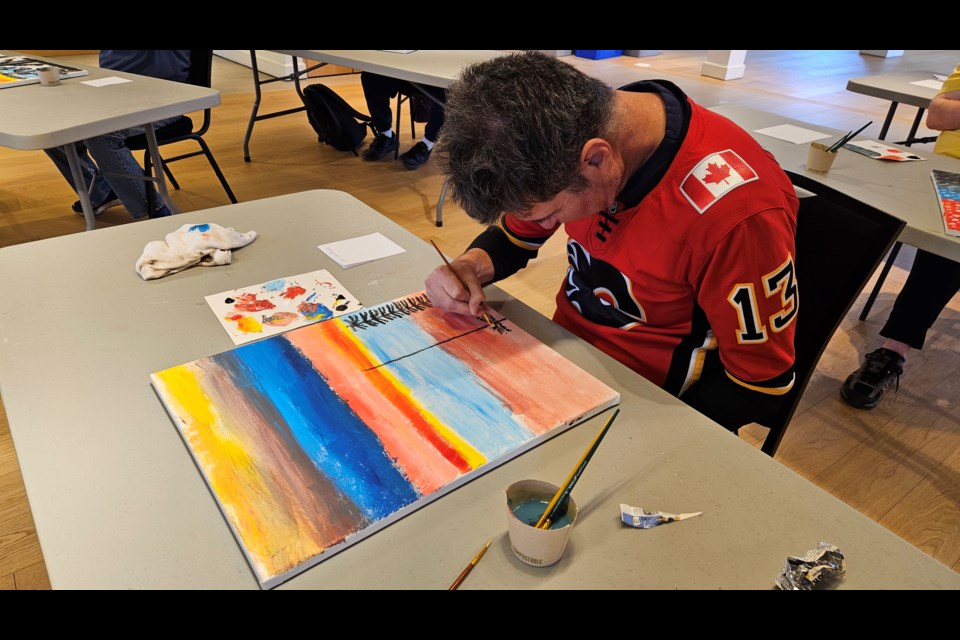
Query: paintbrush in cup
point(847, 138)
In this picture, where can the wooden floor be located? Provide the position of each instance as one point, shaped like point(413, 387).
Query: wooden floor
point(898, 464)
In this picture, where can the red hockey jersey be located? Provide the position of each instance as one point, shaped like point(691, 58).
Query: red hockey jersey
point(704, 261)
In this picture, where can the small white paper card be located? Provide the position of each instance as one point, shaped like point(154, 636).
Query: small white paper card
point(790, 133)
point(350, 253)
point(262, 310)
point(936, 85)
point(102, 82)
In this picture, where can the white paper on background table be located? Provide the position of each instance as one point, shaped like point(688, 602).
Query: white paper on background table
point(262, 310)
point(350, 253)
point(936, 85)
point(791, 133)
point(102, 82)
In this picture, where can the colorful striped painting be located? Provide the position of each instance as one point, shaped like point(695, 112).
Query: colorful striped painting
point(314, 439)
point(947, 185)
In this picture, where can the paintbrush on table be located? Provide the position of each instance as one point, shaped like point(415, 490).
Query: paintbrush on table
point(466, 571)
point(463, 284)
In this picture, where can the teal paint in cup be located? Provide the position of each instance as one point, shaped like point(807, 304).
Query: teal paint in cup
point(526, 502)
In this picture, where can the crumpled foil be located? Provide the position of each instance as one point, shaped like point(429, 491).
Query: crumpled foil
point(821, 565)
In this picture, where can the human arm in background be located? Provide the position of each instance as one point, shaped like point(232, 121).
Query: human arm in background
point(944, 112)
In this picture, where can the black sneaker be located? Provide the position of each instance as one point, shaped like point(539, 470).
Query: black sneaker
point(162, 212)
point(865, 386)
point(415, 156)
point(380, 147)
point(111, 201)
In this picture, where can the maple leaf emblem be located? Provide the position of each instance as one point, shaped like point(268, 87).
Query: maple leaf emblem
point(717, 173)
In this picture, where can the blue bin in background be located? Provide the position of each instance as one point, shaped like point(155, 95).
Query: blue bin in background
point(597, 54)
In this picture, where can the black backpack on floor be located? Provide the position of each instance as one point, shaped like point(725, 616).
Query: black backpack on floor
point(336, 122)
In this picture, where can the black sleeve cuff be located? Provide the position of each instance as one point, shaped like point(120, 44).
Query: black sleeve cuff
point(507, 257)
point(728, 403)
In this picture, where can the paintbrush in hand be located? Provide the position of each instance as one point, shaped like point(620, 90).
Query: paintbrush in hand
point(463, 284)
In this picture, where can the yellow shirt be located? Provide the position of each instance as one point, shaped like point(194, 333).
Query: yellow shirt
point(948, 142)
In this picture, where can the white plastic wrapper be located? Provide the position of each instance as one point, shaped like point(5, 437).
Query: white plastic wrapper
point(641, 519)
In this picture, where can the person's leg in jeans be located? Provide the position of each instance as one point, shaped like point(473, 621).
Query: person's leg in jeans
point(378, 91)
point(116, 161)
point(101, 191)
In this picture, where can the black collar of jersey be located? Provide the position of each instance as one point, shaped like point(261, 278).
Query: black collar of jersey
point(678, 120)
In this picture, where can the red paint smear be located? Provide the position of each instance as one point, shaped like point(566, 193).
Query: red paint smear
point(401, 402)
point(293, 292)
point(502, 359)
point(428, 460)
point(249, 302)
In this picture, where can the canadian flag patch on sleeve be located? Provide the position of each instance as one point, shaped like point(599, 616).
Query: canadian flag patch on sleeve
point(715, 175)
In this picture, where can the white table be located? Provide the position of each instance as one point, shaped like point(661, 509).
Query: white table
point(36, 117)
point(902, 189)
point(118, 502)
point(899, 88)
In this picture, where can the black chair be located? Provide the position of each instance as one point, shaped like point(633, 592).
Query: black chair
point(181, 129)
point(840, 242)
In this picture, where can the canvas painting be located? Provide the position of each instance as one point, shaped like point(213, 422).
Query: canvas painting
point(280, 305)
point(947, 185)
point(317, 438)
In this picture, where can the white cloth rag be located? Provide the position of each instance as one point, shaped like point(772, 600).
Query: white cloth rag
point(206, 244)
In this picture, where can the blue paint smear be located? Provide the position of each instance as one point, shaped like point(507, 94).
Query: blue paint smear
point(338, 443)
point(447, 387)
point(275, 285)
point(200, 227)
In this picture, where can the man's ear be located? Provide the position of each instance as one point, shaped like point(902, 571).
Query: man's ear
point(596, 153)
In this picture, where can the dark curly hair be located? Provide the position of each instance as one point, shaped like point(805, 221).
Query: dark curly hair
point(513, 131)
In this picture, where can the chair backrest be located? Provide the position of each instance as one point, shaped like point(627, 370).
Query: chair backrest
point(201, 75)
point(840, 242)
point(201, 67)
